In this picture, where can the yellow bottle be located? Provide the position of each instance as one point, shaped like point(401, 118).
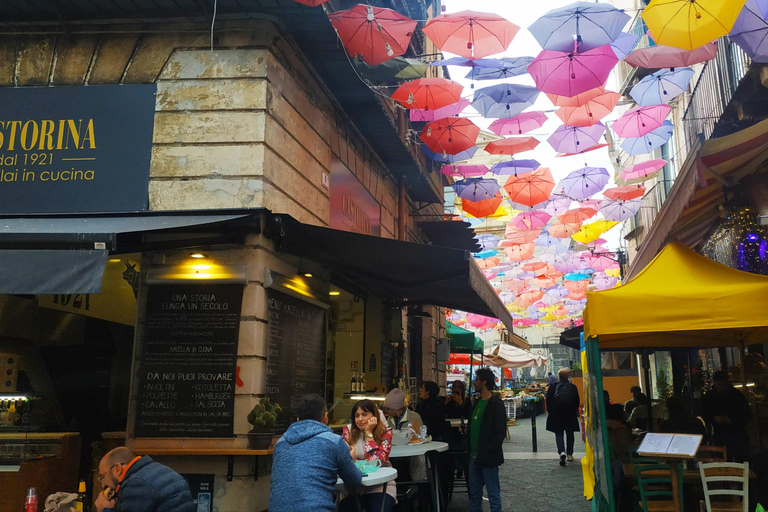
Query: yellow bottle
point(81, 499)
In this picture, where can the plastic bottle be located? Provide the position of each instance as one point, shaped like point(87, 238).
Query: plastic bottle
point(80, 504)
point(30, 503)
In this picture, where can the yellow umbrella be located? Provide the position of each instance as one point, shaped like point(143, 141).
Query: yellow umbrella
point(688, 24)
point(591, 232)
point(613, 272)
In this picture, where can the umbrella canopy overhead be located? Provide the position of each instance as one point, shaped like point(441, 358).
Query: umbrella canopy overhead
point(375, 34)
point(509, 356)
point(624, 44)
point(394, 70)
point(531, 220)
point(577, 215)
point(561, 229)
point(625, 193)
point(476, 189)
point(487, 241)
point(530, 188)
point(584, 182)
point(591, 112)
point(569, 74)
point(668, 57)
point(418, 115)
point(661, 86)
point(445, 158)
point(620, 210)
point(647, 143)
point(751, 30)
point(592, 231)
point(499, 69)
point(471, 34)
point(516, 235)
point(520, 252)
point(689, 24)
point(577, 100)
point(428, 93)
point(570, 139)
point(579, 26)
point(514, 167)
point(640, 121)
point(464, 171)
point(511, 146)
point(642, 171)
point(451, 135)
point(519, 124)
point(558, 205)
point(480, 209)
point(504, 100)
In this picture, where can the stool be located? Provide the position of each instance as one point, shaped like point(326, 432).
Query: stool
point(461, 462)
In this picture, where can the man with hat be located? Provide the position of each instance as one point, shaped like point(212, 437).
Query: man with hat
point(398, 415)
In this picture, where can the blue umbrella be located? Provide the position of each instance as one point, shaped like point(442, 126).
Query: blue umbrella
point(751, 30)
point(514, 167)
point(661, 86)
point(504, 100)
point(476, 189)
point(487, 242)
point(590, 24)
point(450, 159)
point(499, 69)
point(486, 254)
point(575, 276)
point(624, 44)
point(648, 142)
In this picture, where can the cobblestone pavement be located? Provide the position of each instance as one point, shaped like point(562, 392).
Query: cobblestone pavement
point(535, 482)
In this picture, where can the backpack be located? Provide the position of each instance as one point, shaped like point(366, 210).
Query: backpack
point(566, 396)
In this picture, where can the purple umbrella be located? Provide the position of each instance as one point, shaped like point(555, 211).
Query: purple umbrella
point(574, 307)
point(604, 282)
point(624, 44)
point(572, 139)
point(579, 26)
point(450, 159)
point(584, 182)
point(504, 100)
point(514, 167)
point(648, 142)
point(464, 171)
point(419, 115)
point(487, 242)
point(620, 210)
point(499, 69)
point(518, 273)
point(751, 30)
point(560, 292)
point(558, 205)
point(476, 189)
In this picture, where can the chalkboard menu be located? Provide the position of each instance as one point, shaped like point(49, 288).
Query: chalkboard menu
point(189, 361)
point(296, 353)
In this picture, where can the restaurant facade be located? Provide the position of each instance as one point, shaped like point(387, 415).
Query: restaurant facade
point(194, 219)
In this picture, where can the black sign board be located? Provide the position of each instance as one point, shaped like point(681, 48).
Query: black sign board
point(189, 361)
point(201, 488)
point(75, 149)
point(296, 352)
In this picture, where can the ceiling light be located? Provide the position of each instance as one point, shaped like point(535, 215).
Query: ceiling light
point(197, 255)
point(334, 293)
point(308, 274)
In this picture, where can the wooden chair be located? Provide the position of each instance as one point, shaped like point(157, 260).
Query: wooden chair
point(655, 485)
point(725, 479)
point(711, 454)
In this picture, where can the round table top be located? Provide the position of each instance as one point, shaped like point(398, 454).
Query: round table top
point(412, 450)
point(456, 422)
point(380, 476)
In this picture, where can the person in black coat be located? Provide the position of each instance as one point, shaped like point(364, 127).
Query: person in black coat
point(457, 404)
point(563, 407)
point(432, 410)
point(726, 409)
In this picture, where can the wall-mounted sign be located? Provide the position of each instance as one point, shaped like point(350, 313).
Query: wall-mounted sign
point(189, 361)
point(353, 208)
point(75, 149)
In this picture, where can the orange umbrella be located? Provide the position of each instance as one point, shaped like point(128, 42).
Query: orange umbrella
point(530, 188)
point(471, 34)
point(520, 236)
point(576, 216)
point(450, 135)
point(624, 193)
point(563, 229)
point(575, 101)
point(428, 93)
point(577, 295)
point(487, 262)
point(544, 282)
point(576, 286)
point(515, 285)
point(591, 112)
point(533, 266)
point(520, 252)
point(528, 297)
point(484, 208)
point(512, 145)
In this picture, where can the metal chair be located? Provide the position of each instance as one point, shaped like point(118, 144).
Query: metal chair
point(725, 479)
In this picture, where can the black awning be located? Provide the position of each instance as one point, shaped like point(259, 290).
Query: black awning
point(572, 337)
point(394, 270)
point(455, 234)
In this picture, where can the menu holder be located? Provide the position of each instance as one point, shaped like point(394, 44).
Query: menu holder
point(681, 446)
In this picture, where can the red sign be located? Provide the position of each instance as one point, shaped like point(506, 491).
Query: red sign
point(353, 208)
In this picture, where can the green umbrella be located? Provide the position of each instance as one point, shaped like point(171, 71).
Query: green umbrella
point(394, 70)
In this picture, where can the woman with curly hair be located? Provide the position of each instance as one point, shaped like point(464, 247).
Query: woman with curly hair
point(369, 438)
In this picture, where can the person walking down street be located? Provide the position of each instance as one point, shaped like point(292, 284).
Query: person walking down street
point(727, 411)
point(551, 380)
point(563, 419)
point(310, 453)
point(487, 431)
point(139, 483)
point(431, 408)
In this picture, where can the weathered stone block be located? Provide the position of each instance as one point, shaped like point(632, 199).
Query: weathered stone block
point(73, 57)
point(208, 127)
point(34, 57)
point(204, 194)
point(224, 94)
point(195, 64)
point(252, 373)
point(255, 302)
point(112, 57)
point(207, 161)
point(252, 340)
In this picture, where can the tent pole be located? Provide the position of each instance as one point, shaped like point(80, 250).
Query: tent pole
point(743, 370)
point(471, 364)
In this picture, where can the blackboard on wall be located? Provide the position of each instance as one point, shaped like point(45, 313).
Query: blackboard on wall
point(296, 353)
point(188, 361)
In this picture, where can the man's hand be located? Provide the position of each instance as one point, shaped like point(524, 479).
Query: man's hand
point(102, 502)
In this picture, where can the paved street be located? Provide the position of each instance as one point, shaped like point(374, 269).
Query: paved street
point(535, 482)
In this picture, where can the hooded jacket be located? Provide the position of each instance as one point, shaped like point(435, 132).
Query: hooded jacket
point(151, 487)
point(305, 465)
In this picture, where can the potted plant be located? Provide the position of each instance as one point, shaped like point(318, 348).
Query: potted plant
point(263, 417)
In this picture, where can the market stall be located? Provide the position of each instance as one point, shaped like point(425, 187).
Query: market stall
point(466, 349)
point(681, 299)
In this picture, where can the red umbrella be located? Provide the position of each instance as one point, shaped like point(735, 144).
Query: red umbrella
point(511, 146)
point(428, 93)
point(569, 74)
point(624, 193)
point(577, 215)
point(374, 33)
point(520, 252)
point(480, 209)
point(591, 112)
point(451, 135)
point(517, 236)
point(531, 188)
point(471, 34)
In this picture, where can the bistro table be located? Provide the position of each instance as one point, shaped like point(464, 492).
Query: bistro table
point(429, 451)
point(378, 477)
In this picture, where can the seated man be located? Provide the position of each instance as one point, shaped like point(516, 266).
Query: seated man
point(307, 461)
point(398, 415)
point(681, 421)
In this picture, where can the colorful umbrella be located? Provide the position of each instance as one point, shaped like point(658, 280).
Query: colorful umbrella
point(625, 193)
point(418, 115)
point(471, 34)
point(311, 3)
point(591, 148)
point(451, 135)
point(569, 74)
point(518, 236)
point(575, 101)
point(520, 252)
point(514, 167)
point(589, 203)
point(642, 171)
point(563, 229)
point(688, 24)
point(584, 182)
point(590, 112)
point(476, 189)
point(530, 188)
point(661, 86)
point(515, 285)
point(531, 220)
point(751, 30)
point(455, 61)
point(487, 263)
point(624, 44)
point(480, 209)
point(394, 70)
point(620, 210)
point(445, 158)
point(487, 241)
point(568, 262)
point(534, 266)
point(592, 231)
point(428, 93)
point(519, 124)
point(499, 69)
point(570, 139)
point(558, 205)
point(604, 282)
point(577, 215)
point(518, 273)
point(640, 121)
point(374, 33)
point(648, 142)
point(511, 146)
point(668, 57)
point(487, 254)
point(579, 26)
point(464, 171)
point(504, 100)
point(600, 260)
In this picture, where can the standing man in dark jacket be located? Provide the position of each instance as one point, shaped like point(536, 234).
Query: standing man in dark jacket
point(432, 410)
point(139, 483)
point(487, 431)
point(563, 408)
point(726, 409)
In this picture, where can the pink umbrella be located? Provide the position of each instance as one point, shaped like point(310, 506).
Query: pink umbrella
point(569, 74)
point(464, 171)
point(515, 236)
point(639, 121)
point(521, 252)
point(563, 229)
point(515, 285)
point(578, 322)
point(590, 203)
point(620, 210)
point(420, 115)
point(478, 321)
point(531, 220)
point(571, 139)
point(604, 282)
point(521, 123)
point(563, 324)
point(599, 260)
point(642, 171)
point(661, 56)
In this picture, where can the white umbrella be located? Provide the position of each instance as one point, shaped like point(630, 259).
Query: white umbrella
point(509, 356)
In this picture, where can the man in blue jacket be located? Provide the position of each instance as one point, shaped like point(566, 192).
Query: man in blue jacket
point(307, 461)
point(139, 483)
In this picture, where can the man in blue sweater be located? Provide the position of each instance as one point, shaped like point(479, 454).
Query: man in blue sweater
point(307, 461)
